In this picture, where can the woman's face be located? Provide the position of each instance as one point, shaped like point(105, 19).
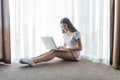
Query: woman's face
point(64, 27)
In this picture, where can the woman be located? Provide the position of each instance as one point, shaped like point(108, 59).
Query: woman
point(72, 43)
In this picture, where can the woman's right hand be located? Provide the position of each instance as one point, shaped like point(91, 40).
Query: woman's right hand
point(61, 47)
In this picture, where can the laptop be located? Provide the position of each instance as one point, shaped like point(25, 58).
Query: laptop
point(50, 44)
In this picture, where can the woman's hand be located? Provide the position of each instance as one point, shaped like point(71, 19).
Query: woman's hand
point(62, 48)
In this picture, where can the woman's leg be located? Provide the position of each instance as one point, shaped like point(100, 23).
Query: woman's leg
point(44, 57)
point(66, 56)
point(51, 54)
point(42, 54)
point(48, 56)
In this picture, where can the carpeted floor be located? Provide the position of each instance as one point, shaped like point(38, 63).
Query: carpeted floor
point(59, 70)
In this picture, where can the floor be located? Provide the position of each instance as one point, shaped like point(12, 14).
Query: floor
point(59, 70)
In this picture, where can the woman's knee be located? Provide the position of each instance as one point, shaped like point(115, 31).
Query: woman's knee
point(52, 51)
point(66, 56)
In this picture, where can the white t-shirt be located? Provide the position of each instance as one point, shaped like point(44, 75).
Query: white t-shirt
point(71, 42)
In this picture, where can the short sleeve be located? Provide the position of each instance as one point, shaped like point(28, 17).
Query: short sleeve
point(77, 35)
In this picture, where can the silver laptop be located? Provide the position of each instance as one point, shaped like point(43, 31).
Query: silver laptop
point(50, 43)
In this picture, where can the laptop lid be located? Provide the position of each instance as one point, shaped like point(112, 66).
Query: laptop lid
point(49, 42)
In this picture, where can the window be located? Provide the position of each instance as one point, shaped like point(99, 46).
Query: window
point(31, 19)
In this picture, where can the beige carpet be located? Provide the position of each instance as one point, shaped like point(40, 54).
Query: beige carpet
point(59, 70)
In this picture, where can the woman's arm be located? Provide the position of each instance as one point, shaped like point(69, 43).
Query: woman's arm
point(79, 46)
point(62, 47)
point(76, 48)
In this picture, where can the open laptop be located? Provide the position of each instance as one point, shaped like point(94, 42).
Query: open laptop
point(50, 43)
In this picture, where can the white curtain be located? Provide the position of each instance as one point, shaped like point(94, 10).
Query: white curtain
point(94, 24)
point(31, 19)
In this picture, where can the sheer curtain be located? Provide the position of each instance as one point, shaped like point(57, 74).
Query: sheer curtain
point(94, 25)
point(31, 19)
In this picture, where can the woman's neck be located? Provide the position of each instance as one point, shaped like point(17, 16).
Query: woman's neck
point(69, 33)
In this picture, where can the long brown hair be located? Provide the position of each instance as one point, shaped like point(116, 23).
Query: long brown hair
point(68, 22)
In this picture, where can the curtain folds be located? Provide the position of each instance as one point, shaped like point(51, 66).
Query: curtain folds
point(5, 55)
point(94, 26)
point(115, 34)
